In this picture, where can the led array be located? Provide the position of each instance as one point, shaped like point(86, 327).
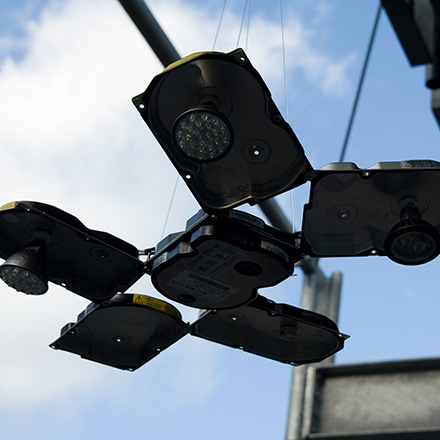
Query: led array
point(23, 280)
point(202, 135)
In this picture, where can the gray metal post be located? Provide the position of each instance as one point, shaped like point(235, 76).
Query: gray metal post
point(320, 294)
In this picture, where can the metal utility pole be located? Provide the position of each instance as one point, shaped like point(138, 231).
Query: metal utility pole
point(320, 293)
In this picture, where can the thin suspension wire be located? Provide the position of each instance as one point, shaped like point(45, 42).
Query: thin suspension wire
point(284, 60)
point(361, 82)
point(286, 99)
point(248, 25)
point(219, 24)
point(242, 21)
point(169, 207)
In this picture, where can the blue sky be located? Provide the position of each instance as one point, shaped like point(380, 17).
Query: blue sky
point(70, 137)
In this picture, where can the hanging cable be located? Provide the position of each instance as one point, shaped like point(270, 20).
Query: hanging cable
point(248, 25)
point(241, 25)
point(169, 207)
point(361, 81)
point(283, 46)
point(219, 24)
point(286, 99)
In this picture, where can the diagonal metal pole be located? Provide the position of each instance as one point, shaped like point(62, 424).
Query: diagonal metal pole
point(151, 30)
point(320, 294)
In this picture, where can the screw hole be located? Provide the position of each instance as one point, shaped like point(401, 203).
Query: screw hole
point(256, 151)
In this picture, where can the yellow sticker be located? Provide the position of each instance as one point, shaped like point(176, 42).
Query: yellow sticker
point(155, 303)
point(184, 60)
point(8, 206)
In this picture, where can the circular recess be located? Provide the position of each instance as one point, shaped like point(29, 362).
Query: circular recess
point(186, 299)
point(248, 268)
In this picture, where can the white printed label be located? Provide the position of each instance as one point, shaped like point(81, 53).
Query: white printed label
point(214, 259)
point(201, 286)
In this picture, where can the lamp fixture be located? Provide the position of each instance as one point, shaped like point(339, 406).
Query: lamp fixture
point(220, 261)
point(41, 243)
point(413, 240)
point(202, 135)
point(277, 331)
point(214, 117)
point(24, 271)
point(125, 332)
point(388, 209)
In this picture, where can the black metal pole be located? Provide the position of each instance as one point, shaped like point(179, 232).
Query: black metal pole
point(150, 29)
point(277, 218)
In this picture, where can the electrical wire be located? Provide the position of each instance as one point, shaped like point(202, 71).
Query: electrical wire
point(241, 25)
point(286, 98)
point(248, 25)
point(283, 46)
point(219, 24)
point(169, 206)
point(361, 82)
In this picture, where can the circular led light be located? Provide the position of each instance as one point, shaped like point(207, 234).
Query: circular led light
point(22, 280)
point(21, 271)
point(412, 242)
point(202, 135)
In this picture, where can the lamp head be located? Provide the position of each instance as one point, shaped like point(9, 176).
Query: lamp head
point(214, 117)
point(412, 242)
point(92, 264)
point(202, 135)
point(24, 271)
point(388, 209)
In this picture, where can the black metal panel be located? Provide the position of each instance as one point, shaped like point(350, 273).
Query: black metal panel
point(260, 155)
point(221, 261)
point(398, 435)
point(411, 32)
point(375, 401)
point(125, 332)
point(276, 331)
point(92, 264)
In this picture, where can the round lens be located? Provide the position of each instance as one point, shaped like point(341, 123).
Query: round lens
point(202, 135)
point(413, 247)
point(412, 242)
point(22, 280)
